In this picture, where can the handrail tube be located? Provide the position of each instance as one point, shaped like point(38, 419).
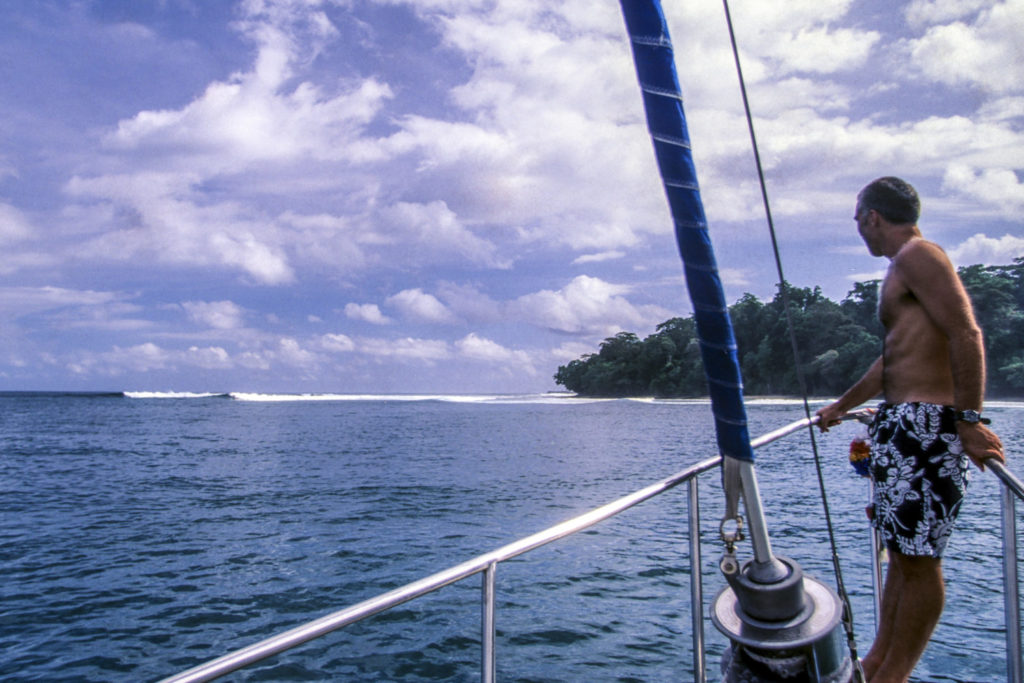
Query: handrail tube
point(696, 584)
point(876, 564)
point(488, 658)
point(1011, 589)
point(1007, 477)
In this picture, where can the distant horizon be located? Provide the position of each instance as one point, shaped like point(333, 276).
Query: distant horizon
point(567, 396)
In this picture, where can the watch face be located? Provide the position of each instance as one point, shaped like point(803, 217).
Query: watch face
point(969, 416)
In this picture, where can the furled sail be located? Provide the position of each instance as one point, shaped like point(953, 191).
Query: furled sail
point(666, 121)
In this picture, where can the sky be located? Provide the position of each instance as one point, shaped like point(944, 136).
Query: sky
point(455, 196)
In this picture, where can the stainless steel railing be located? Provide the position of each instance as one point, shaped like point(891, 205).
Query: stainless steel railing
point(1012, 486)
point(487, 565)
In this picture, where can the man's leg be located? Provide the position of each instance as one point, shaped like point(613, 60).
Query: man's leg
point(891, 592)
point(915, 611)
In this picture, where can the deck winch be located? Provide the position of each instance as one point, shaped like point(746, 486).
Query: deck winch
point(783, 626)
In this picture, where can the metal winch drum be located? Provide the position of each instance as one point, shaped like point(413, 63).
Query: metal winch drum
point(783, 626)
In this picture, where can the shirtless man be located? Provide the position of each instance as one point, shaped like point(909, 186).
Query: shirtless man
point(931, 375)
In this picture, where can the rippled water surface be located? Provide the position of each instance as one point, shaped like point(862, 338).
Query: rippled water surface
point(144, 535)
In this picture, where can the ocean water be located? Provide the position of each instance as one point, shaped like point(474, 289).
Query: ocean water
point(143, 534)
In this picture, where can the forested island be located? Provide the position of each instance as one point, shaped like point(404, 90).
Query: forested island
point(837, 343)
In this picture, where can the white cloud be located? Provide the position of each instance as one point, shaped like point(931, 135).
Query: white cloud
point(220, 315)
point(823, 50)
point(586, 305)
point(736, 277)
point(987, 250)
point(169, 227)
point(14, 226)
point(778, 39)
point(337, 343)
point(140, 358)
point(17, 301)
point(337, 241)
point(479, 348)
point(367, 313)
point(921, 13)
point(997, 187)
point(290, 352)
point(415, 304)
point(251, 117)
point(986, 53)
point(149, 357)
point(599, 257)
point(467, 302)
point(408, 348)
point(570, 351)
point(435, 232)
point(209, 358)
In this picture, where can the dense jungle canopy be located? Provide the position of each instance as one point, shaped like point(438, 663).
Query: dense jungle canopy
point(837, 343)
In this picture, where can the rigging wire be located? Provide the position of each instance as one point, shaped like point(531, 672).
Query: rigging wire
point(801, 379)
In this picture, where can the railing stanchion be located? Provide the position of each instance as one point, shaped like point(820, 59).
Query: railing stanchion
point(487, 654)
point(876, 563)
point(696, 585)
point(1011, 587)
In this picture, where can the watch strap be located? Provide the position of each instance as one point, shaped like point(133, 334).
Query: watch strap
point(971, 417)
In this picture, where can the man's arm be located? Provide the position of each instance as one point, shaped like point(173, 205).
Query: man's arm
point(866, 388)
point(929, 274)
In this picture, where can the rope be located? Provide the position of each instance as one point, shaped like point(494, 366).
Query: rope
point(841, 589)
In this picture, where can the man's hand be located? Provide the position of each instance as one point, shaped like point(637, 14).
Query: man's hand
point(829, 416)
point(980, 443)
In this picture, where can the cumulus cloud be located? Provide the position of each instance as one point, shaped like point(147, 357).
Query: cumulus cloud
point(17, 301)
point(290, 352)
point(823, 50)
point(998, 187)
point(169, 227)
point(436, 232)
point(209, 358)
point(987, 250)
point(585, 305)
point(479, 348)
point(469, 303)
point(14, 225)
point(337, 343)
point(258, 115)
point(598, 257)
point(407, 348)
point(367, 313)
point(139, 358)
point(249, 131)
point(219, 315)
point(417, 305)
point(985, 52)
point(149, 357)
point(921, 13)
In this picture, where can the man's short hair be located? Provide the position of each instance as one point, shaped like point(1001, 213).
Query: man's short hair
point(896, 200)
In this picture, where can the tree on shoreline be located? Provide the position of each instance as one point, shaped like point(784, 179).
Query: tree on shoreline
point(837, 342)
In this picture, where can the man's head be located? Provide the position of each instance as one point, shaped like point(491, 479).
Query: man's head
point(895, 200)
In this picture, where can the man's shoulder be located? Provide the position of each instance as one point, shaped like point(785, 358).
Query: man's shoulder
point(922, 258)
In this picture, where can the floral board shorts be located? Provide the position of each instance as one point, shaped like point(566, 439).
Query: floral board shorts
point(920, 472)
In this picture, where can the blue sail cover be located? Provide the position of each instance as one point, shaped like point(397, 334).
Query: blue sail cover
point(663, 102)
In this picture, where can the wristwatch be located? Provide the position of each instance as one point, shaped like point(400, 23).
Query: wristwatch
point(971, 417)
